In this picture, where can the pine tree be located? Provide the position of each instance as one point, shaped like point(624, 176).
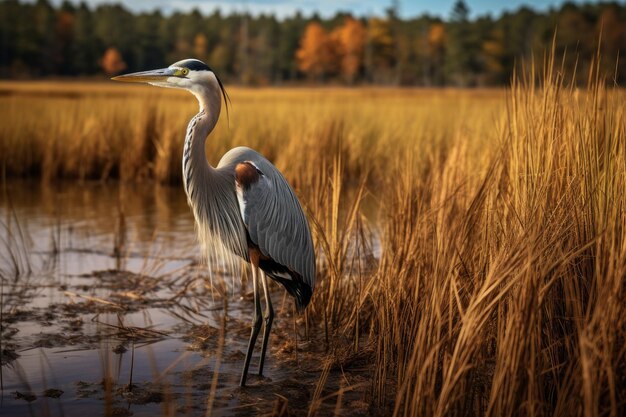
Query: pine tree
point(461, 50)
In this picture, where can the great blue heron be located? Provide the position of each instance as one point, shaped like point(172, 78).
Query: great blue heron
point(244, 206)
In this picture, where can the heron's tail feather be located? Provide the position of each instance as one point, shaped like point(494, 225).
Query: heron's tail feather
point(299, 290)
point(290, 279)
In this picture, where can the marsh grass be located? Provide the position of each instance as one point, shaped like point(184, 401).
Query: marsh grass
point(93, 131)
point(500, 288)
point(498, 283)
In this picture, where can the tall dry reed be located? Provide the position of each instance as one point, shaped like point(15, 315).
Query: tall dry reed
point(491, 282)
point(500, 286)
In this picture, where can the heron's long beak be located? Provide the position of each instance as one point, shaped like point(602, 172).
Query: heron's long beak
point(146, 76)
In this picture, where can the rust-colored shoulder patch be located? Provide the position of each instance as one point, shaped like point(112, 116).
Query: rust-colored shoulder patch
point(256, 255)
point(246, 174)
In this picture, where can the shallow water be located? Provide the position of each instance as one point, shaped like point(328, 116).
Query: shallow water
point(65, 237)
point(101, 279)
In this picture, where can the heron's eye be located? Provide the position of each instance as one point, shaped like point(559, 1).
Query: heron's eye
point(184, 71)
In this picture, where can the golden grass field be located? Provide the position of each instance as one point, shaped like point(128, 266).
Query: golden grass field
point(491, 281)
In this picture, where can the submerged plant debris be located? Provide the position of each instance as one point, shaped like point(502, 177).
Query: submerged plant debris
point(490, 280)
point(150, 334)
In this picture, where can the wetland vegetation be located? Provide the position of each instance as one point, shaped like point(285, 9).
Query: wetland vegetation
point(471, 252)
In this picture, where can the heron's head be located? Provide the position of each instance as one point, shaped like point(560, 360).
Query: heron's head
point(189, 74)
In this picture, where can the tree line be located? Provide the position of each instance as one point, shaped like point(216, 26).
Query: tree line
point(40, 40)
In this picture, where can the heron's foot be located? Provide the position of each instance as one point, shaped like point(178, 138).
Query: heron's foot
point(254, 380)
point(249, 380)
point(261, 369)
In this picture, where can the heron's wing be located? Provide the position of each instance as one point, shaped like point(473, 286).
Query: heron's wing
point(275, 221)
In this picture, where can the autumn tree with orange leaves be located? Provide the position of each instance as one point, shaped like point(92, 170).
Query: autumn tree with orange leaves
point(350, 40)
point(315, 56)
point(322, 54)
point(47, 38)
point(112, 62)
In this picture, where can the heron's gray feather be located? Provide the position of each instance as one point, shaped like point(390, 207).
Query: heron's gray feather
point(273, 216)
point(269, 214)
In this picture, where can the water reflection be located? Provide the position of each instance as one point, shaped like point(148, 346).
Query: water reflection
point(94, 209)
point(87, 268)
point(98, 280)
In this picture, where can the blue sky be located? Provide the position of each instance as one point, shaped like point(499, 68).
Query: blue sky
point(408, 8)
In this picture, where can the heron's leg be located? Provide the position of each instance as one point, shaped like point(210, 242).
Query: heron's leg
point(269, 318)
point(256, 326)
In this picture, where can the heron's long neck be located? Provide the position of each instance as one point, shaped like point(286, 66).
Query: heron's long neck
point(196, 168)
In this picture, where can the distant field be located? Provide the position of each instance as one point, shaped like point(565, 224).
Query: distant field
point(499, 284)
point(106, 130)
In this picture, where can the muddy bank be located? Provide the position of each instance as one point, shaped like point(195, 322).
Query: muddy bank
point(107, 309)
point(79, 354)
